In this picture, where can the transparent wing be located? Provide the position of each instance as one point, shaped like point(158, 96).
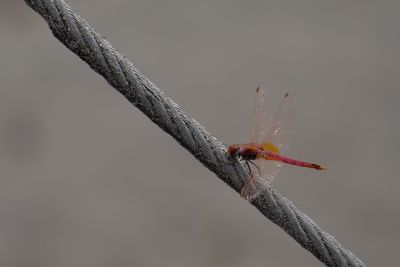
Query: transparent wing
point(261, 118)
point(257, 183)
point(279, 134)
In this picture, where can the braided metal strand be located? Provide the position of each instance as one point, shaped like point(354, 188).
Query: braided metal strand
point(90, 46)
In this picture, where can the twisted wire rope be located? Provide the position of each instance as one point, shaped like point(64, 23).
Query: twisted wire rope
point(76, 34)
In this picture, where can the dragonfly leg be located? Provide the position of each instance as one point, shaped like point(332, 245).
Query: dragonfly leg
point(251, 188)
point(252, 163)
point(248, 166)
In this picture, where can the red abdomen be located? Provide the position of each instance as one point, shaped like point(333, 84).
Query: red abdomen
point(272, 156)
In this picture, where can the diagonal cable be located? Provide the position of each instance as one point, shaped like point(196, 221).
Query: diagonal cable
point(76, 34)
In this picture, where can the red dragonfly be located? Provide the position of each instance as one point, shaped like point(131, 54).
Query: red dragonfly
point(269, 138)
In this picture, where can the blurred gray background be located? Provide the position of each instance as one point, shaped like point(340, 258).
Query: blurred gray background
point(87, 180)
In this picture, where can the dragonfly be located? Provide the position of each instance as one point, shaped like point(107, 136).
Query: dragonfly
point(270, 139)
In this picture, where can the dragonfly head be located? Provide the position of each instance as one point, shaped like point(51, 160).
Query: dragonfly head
point(233, 151)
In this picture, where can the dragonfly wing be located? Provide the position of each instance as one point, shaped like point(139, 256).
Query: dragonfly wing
point(257, 183)
point(279, 133)
point(274, 133)
point(261, 118)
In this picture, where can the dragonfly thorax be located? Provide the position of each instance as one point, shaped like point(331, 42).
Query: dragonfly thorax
point(248, 153)
point(245, 152)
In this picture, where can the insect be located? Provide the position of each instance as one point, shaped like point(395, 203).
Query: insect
point(269, 138)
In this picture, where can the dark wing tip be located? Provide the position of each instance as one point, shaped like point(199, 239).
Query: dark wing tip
point(286, 95)
point(258, 89)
